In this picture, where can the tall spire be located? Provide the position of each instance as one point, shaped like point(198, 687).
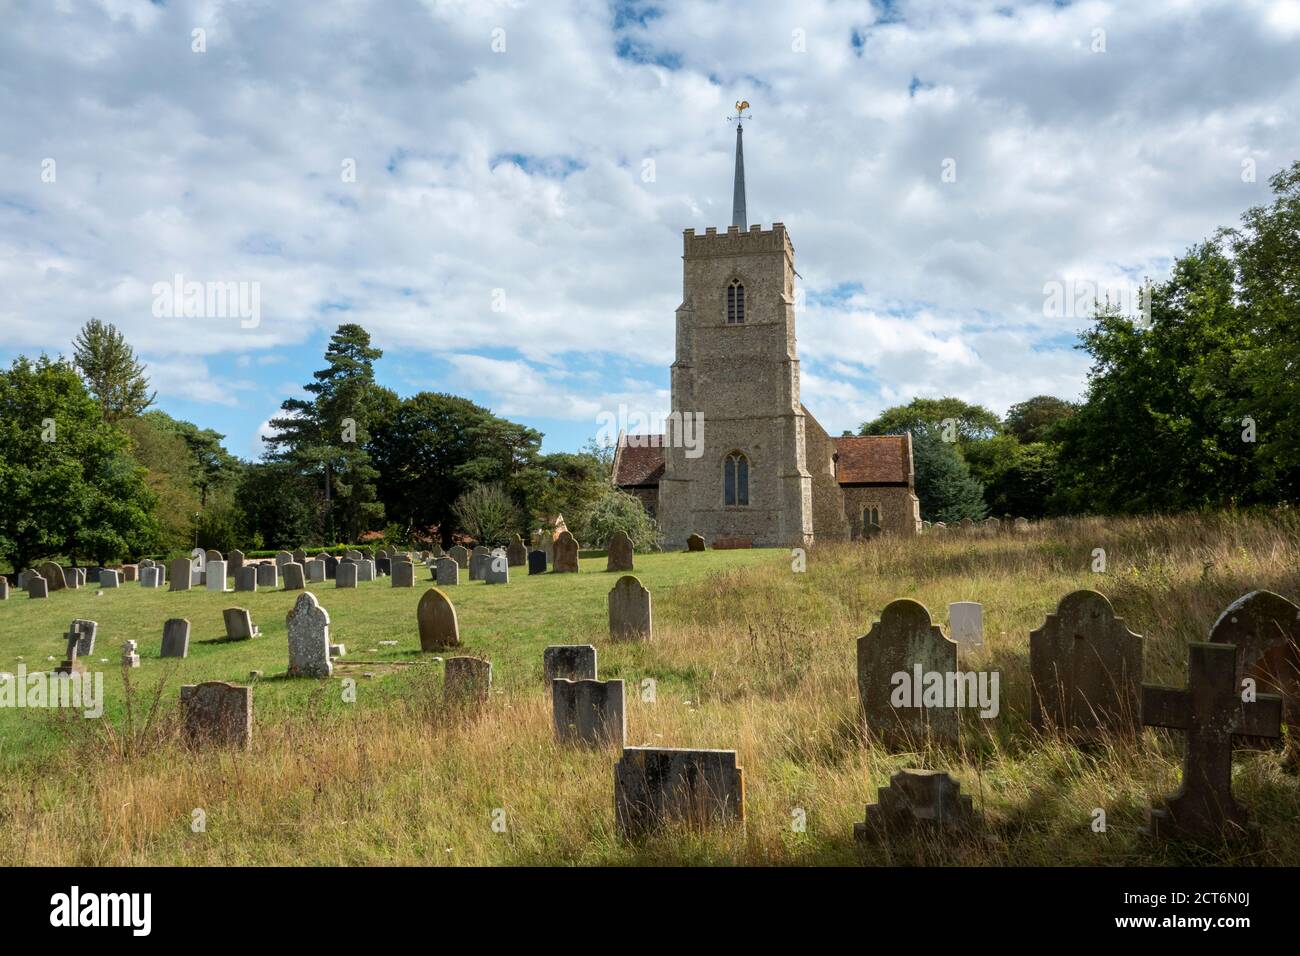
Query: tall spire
point(738, 217)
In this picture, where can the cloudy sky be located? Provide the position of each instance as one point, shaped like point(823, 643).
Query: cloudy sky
point(523, 173)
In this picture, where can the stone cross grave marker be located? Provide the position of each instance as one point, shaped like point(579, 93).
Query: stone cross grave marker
point(217, 714)
point(896, 656)
point(308, 625)
point(654, 786)
point(569, 662)
point(619, 552)
point(129, 656)
point(176, 638)
point(1211, 713)
point(630, 617)
point(1085, 669)
point(85, 632)
point(588, 712)
point(435, 616)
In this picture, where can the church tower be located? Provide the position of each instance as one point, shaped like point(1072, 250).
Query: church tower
point(736, 378)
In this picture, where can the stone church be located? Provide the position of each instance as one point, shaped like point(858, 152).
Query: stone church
point(765, 473)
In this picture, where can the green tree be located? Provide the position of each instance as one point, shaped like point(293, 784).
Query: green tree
point(1034, 419)
point(112, 373)
point(614, 511)
point(168, 473)
point(280, 507)
point(944, 484)
point(968, 422)
point(211, 468)
point(488, 514)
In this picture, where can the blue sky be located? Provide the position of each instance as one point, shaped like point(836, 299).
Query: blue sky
point(523, 173)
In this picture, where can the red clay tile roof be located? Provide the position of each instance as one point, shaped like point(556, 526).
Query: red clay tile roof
point(873, 459)
point(641, 463)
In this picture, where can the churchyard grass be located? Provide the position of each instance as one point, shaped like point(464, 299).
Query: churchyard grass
point(746, 654)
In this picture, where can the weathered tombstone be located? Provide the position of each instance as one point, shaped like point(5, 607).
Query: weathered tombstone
point(4, 588)
point(84, 632)
point(699, 788)
point(516, 552)
point(53, 575)
point(176, 638)
point(150, 577)
point(37, 587)
point(939, 526)
point(198, 576)
point(566, 553)
point(460, 555)
point(1085, 669)
point(1022, 524)
point(447, 572)
point(619, 552)
point(478, 559)
point(129, 656)
point(403, 574)
point(246, 578)
point(1211, 713)
point(217, 714)
point(109, 578)
point(896, 659)
point(630, 617)
point(467, 680)
point(991, 525)
point(436, 617)
point(308, 625)
point(129, 572)
point(695, 542)
point(239, 624)
point(569, 662)
point(74, 577)
point(294, 579)
point(917, 800)
point(346, 574)
point(496, 570)
point(315, 570)
point(352, 554)
point(1265, 627)
point(236, 561)
point(966, 623)
point(966, 524)
point(180, 574)
point(213, 555)
point(300, 556)
point(282, 558)
point(588, 712)
point(217, 576)
point(268, 575)
point(925, 525)
point(331, 566)
point(365, 570)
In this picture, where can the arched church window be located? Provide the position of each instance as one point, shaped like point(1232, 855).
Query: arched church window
point(870, 516)
point(735, 303)
point(735, 479)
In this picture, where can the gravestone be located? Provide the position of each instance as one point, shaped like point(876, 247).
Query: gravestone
point(478, 559)
point(902, 642)
point(75, 577)
point(917, 800)
point(217, 714)
point(497, 568)
point(235, 560)
point(53, 575)
point(619, 552)
point(1085, 669)
point(569, 662)
point(565, 550)
point(84, 632)
point(966, 524)
point(4, 588)
point(129, 656)
point(1211, 713)
point(315, 570)
point(246, 578)
point(37, 587)
point(467, 680)
point(352, 554)
point(365, 570)
point(537, 562)
point(460, 555)
point(698, 788)
point(447, 572)
point(300, 556)
point(630, 616)
point(331, 566)
point(217, 576)
point(435, 616)
point(109, 578)
point(1022, 524)
point(178, 571)
point(282, 558)
point(294, 579)
point(1265, 627)
point(346, 574)
point(211, 556)
point(268, 575)
point(588, 712)
point(150, 577)
point(308, 625)
point(966, 623)
point(176, 638)
point(695, 542)
point(239, 624)
point(403, 574)
point(516, 552)
point(129, 572)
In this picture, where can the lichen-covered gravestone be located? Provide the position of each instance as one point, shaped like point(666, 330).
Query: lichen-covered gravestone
point(53, 575)
point(537, 562)
point(1211, 713)
point(566, 553)
point(239, 624)
point(895, 661)
point(698, 788)
point(467, 680)
point(436, 617)
point(925, 800)
point(695, 542)
point(1085, 666)
point(569, 661)
point(516, 552)
point(178, 571)
point(619, 552)
point(176, 638)
point(630, 617)
point(217, 714)
point(308, 625)
point(447, 572)
point(1265, 627)
point(588, 712)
